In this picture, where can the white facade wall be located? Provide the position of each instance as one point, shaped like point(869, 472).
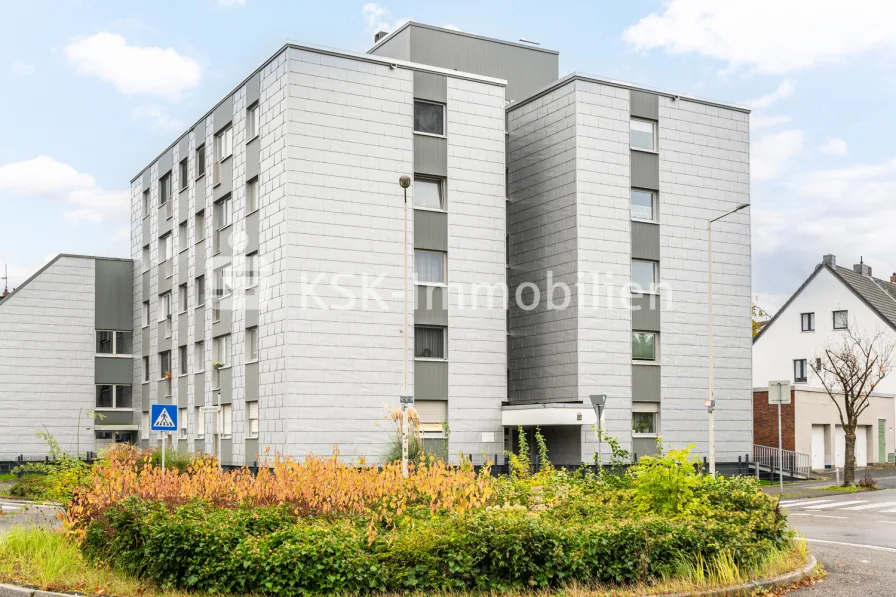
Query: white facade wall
point(47, 351)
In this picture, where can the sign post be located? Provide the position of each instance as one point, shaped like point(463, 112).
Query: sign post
point(597, 402)
point(779, 393)
point(406, 401)
point(164, 419)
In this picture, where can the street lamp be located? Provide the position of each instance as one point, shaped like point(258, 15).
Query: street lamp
point(711, 400)
point(405, 182)
point(597, 402)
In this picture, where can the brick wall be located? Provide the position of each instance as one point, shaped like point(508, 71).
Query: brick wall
point(765, 422)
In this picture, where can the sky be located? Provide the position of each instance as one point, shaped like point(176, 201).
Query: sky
point(92, 91)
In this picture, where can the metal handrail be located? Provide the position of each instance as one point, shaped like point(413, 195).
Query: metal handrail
point(787, 461)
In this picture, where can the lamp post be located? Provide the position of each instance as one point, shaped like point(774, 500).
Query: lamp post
point(711, 401)
point(597, 402)
point(405, 182)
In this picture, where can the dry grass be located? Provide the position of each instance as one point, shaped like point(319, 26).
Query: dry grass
point(48, 560)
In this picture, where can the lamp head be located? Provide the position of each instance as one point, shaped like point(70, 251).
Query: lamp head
point(404, 181)
point(598, 399)
point(742, 206)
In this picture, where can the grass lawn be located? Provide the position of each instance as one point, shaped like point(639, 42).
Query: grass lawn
point(48, 560)
point(7, 477)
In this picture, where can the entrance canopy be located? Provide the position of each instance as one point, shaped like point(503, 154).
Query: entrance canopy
point(530, 415)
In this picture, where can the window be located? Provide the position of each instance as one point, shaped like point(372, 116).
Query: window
point(643, 205)
point(165, 364)
point(166, 254)
point(429, 118)
point(182, 359)
point(221, 357)
point(223, 150)
point(429, 267)
point(227, 420)
point(146, 203)
point(644, 346)
point(182, 236)
point(841, 320)
point(429, 342)
point(799, 370)
point(166, 313)
point(200, 161)
point(200, 226)
point(200, 422)
point(200, 291)
point(145, 313)
point(144, 425)
point(182, 297)
point(146, 262)
point(251, 195)
point(199, 357)
point(251, 344)
point(807, 322)
point(222, 219)
point(113, 396)
point(166, 194)
point(224, 281)
point(642, 134)
point(644, 423)
point(644, 275)
point(252, 408)
point(428, 193)
point(183, 174)
point(182, 419)
point(251, 270)
point(252, 129)
point(145, 369)
point(114, 343)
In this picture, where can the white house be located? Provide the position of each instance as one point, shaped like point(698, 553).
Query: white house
point(830, 299)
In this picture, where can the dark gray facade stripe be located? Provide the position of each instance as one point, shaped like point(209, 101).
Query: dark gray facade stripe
point(145, 342)
point(251, 312)
point(431, 306)
point(252, 232)
point(226, 386)
point(183, 206)
point(182, 326)
point(164, 163)
point(252, 455)
point(226, 249)
point(113, 370)
point(183, 382)
point(144, 401)
point(145, 285)
point(253, 89)
point(227, 451)
point(114, 418)
point(431, 230)
point(432, 87)
point(225, 186)
point(199, 262)
point(253, 158)
point(199, 388)
point(646, 383)
point(147, 178)
point(224, 325)
point(644, 105)
point(430, 380)
point(645, 170)
point(645, 446)
point(164, 285)
point(182, 271)
point(162, 343)
point(146, 234)
point(183, 147)
point(251, 382)
point(165, 224)
point(396, 45)
point(114, 282)
point(646, 312)
point(645, 241)
point(161, 390)
point(430, 155)
point(223, 114)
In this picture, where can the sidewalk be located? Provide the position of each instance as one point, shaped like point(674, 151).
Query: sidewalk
point(885, 477)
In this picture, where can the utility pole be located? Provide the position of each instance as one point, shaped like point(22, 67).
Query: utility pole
point(406, 399)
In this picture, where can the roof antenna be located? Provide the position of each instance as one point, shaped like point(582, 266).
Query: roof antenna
point(5, 281)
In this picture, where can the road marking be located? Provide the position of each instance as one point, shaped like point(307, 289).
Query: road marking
point(875, 547)
point(887, 521)
point(804, 502)
point(823, 516)
point(834, 505)
point(889, 511)
point(869, 506)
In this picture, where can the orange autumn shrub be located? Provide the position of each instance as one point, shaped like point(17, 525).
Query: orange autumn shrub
point(313, 487)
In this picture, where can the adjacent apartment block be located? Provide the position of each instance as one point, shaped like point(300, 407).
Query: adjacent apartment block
point(790, 347)
point(269, 252)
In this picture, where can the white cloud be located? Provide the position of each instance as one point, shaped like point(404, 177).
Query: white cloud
point(50, 179)
point(759, 120)
point(769, 36)
point(783, 91)
point(158, 118)
point(377, 18)
point(770, 154)
point(134, 70)
point(834, 146)
point(19, 67)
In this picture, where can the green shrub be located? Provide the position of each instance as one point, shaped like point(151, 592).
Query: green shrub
point(669, 484)
point(30, 487)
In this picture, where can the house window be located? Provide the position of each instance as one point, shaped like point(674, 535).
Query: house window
point(166, 313)
point(252, 408)
point(429, 118)
point(251, 195)
point(182, 419)
point(807, 322)
point(428, 193)
point(222, 219)
point(799, 370)
point(182, 359)
point(251, 270)
point(146, 203)
point(644, 346)
point(200, 226)
point(200, 291)
point(145, 313)
point(200, 161)
point(252, 121)
point(182, 297)
point(643, 203)
point(224, 281)
point(644, 423)
point(200, 422)
point(642, 134)
point(114, 343)
point(251, 344)
point(227, 420)
point(644, 275)
point(113, 396)
point(166, 254)
point(165, 364)
point(221, 357)
point(429, 342)
point(223, 150)
point(199, 357)
point(182, 236)
point(145, 369)
point(841, 320)
point(166, 194)
point(429, 267)
point(183, 174)
point(144, 425)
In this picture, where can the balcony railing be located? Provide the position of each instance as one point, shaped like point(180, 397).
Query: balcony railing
point(793, 464)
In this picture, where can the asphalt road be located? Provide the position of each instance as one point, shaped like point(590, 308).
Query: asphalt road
point(854, 536)
point(17, 513)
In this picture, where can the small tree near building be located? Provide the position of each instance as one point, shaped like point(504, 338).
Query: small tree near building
point(850, 368)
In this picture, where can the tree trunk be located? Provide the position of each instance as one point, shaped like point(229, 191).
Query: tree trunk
point(849, 466)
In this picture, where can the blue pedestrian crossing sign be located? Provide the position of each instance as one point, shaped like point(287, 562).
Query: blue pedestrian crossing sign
point(163, 417)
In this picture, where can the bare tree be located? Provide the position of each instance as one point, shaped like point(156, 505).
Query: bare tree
point(851, 367)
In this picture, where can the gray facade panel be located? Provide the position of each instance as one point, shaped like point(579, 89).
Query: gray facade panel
point(251, 313)
point(225, 184)
point(147, 178)
point(144, 402)
point(183, 148)
point(113, 370)
point(164, 282)
point(430, 155)
point(199, 320)
point(431, 306)
point(182, 329)
point(253, 158)
point(114, 294)
point(183, 206)
point(644, 446)
point(183, 259)
point(251, 381)
point(200, 194)
point(114, 417)
point(430, 380)
point(252, 232)
point(199, 389)
point(145, 342)
point(645, 170)
point(644, 105)
point(183, 382)
point(226, 388)
point(227, 451)
point(646, 312)
point(162, 343)
point(147, 238)
point(225, 249)
point(253, 89)
point(223, 115)
point(398, 46)
point(146, 285)
point(252, 455)
point(430, 86)
point(430, 230)
point(645, 241)
point(224, 325)
point(165, 223)
point(164, 163)
point(646, 383)
point(199, 260)
point(163, 391)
